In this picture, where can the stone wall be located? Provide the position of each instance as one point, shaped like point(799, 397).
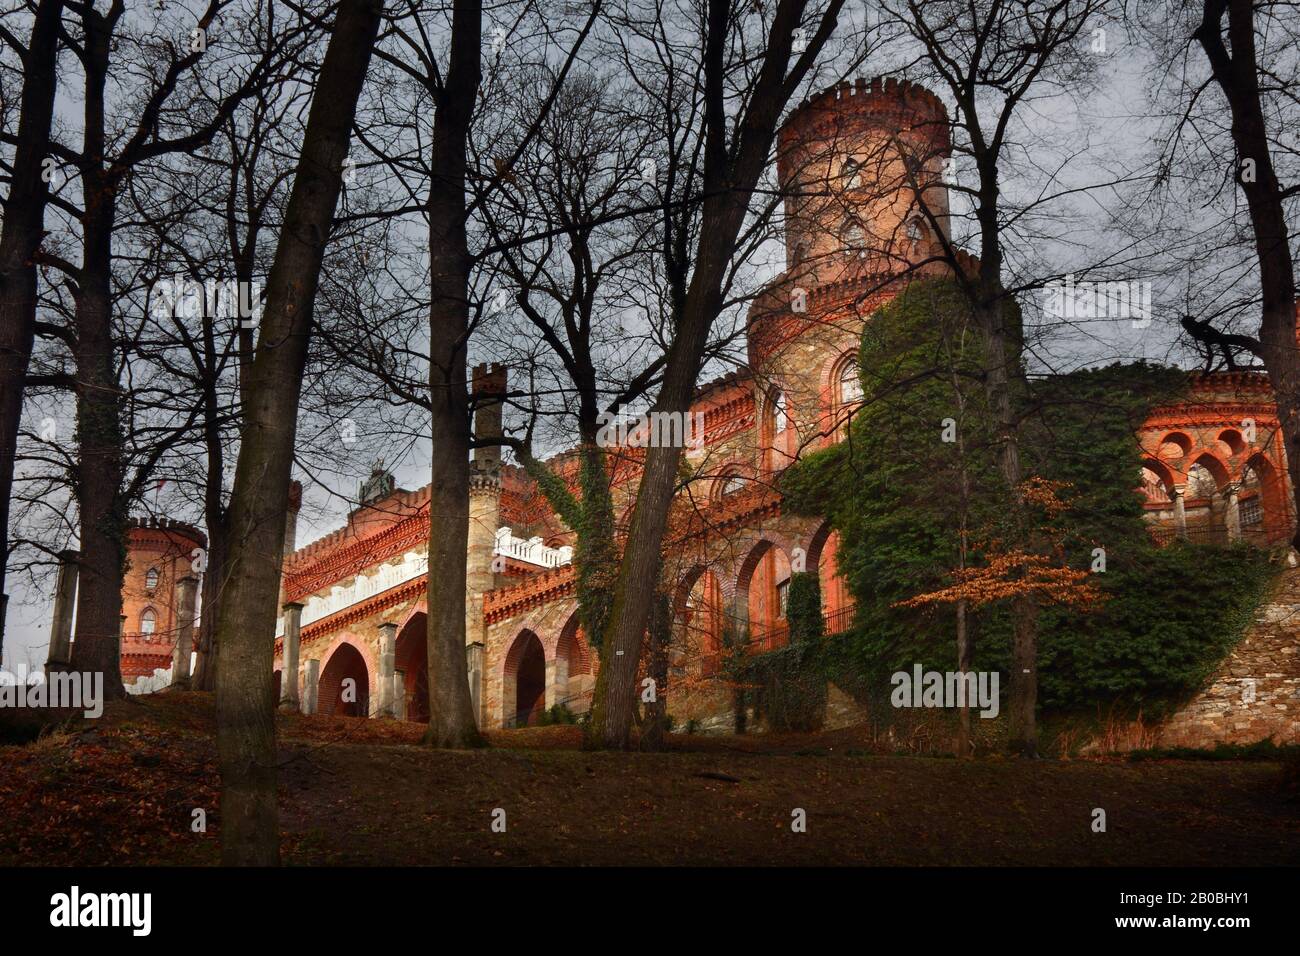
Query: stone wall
point(1256, 693)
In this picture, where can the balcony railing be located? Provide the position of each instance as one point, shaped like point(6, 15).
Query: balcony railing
point(1261, 536)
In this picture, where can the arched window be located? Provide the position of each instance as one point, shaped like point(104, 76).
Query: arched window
point(780, 412)
point(148, 621)
point(852, 238)
point(730, 483)
point(851, 173)
point(915, 229)
point(849, 383)
point(151, 579)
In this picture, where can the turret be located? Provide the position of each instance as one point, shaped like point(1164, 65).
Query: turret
point(860, 164)
point(163, 560)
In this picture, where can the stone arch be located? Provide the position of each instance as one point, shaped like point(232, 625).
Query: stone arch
point(523, 680)
point(1206, 501)
point(817, 543)
point(1232, 440)
point(823, 557)
point(701, 605)
point(420, 607)
point(574, 672)
point(1214, 464)
point(345, 662)
point(1163, 476)
point(1263, 505)
point(412, 660)
point(758, 591)
point(1174, 446)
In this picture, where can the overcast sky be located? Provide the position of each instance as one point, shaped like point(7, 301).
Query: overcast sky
point(1110, 125)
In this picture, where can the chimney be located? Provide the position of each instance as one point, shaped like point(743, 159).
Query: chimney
point(489, 389)
point(290, 529)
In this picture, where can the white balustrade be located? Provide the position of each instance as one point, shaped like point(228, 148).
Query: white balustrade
point(415, 564)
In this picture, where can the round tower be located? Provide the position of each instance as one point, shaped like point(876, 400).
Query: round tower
point(862, 168)
point(159, 583)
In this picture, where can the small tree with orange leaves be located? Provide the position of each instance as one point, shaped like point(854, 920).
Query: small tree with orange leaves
point(1006, 573)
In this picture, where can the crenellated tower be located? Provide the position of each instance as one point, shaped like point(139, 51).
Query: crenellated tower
point(862, 167)
point(158, 592)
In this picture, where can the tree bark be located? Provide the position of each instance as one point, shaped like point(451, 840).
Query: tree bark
point(24, 219)
point(451, 710)
point(259, 501)
point(963, 747)
point(656, 711)
point(1237, 75)
point(100, 473)
point(1002, 347)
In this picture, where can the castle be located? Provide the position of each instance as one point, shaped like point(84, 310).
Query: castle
point(351, 638)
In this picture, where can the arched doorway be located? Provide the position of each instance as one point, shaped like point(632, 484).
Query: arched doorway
point(836, 599)
point(345, 684)
point(523, 688)
point(1205, 501)
point(411, 659)
point(763, 586)
point(701, 611)
point(1262, 507)
point(573, 678)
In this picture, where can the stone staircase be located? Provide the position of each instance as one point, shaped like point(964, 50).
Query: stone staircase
point(1256, 692)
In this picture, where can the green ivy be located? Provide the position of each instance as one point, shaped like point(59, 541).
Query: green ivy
point(1169, 616)
point(791, 681)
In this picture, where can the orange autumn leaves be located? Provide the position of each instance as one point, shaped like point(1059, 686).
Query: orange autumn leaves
point(1042, 573)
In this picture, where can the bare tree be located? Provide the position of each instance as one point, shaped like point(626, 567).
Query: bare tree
point(1230, 36)
point(245, 710)
point(24, 218)
point(734, 151)
point(174, 108)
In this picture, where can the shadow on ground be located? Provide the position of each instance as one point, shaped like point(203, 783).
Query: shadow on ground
point(126, 789)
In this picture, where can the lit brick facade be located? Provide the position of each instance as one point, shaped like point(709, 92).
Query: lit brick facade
point(161, 553)
point(730, 549)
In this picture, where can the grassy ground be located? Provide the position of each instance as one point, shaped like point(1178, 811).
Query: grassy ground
point(124, 790)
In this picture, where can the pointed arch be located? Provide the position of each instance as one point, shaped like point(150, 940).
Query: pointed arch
point(523, 680)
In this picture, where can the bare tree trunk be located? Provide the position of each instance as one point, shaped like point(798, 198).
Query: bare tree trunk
point(451, 709)
point(731, 172)
point(205, 667)
point(24, 218)
point(1003, 355)
point(100, 471)
point(656, 711)
point(259, 502)
point(1002, 348)
point(1237, 74)
point(963, 667)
